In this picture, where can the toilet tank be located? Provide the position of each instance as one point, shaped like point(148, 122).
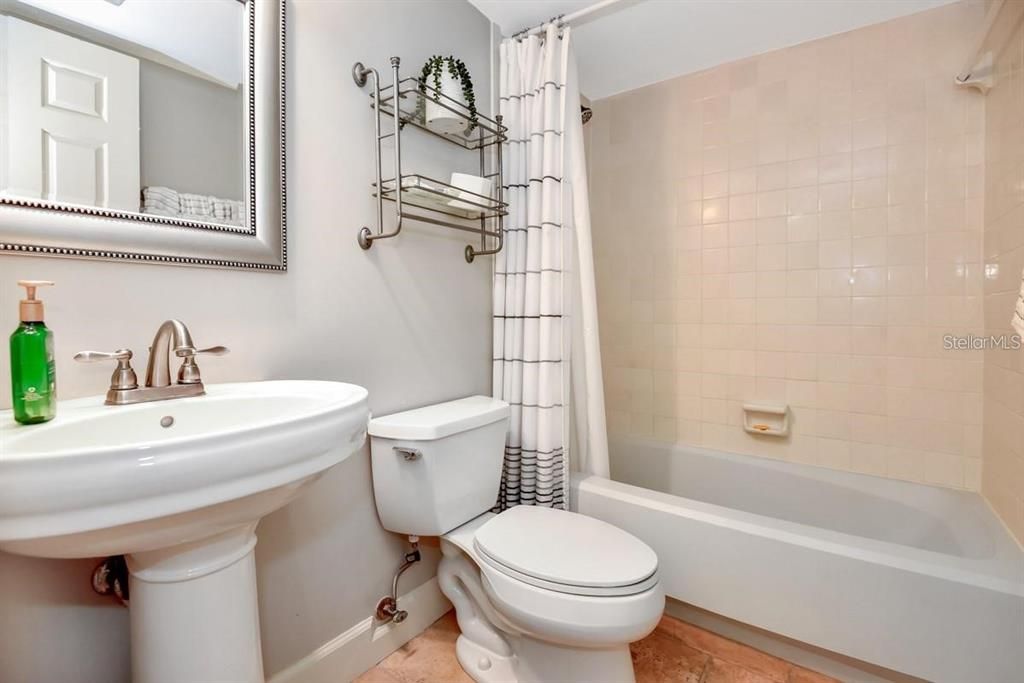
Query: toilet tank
point(437, 467)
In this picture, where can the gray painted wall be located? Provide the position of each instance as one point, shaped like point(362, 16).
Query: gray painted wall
point(192, 135)
point(409, 320)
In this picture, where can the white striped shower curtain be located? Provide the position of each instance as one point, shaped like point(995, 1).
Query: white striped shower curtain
point(547, 362)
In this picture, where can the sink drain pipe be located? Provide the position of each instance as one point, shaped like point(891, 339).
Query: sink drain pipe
point(387, 608)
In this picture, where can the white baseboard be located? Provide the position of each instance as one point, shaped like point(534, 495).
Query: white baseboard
point(349, 654)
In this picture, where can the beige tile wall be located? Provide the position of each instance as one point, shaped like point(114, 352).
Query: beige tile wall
point(801, 227)
point(1003, 472)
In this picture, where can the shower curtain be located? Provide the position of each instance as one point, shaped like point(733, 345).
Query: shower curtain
point(547, 363)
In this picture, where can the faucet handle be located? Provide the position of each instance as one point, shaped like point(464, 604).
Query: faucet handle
point(189, 351)
point(188, 373)
point(124, 376)
point(94, 356)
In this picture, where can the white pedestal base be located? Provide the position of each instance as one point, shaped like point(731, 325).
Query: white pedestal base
point(194, 615)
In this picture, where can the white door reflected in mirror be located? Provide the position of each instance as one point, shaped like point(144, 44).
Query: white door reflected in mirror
point(73, 133)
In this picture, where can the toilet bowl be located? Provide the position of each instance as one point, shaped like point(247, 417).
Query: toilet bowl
point(553, 614)
point(540, 594)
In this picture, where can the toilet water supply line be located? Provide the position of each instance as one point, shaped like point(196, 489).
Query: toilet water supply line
point(387, 608)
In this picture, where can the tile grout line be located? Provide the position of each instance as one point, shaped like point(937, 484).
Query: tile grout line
point(707, 667)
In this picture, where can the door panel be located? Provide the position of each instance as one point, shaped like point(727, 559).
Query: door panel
point(73, 90)
point(75, 171)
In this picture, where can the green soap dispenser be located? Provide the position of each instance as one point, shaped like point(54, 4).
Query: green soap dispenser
point(33, 375)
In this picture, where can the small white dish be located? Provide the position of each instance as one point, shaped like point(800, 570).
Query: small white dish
point(474, 192)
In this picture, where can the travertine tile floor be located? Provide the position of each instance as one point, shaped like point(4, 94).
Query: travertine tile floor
point(676, 652)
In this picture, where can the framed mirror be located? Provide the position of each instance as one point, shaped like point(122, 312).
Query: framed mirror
point(144, 131)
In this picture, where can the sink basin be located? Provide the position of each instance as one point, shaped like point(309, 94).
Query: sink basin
point(106, 480)
point(177, 487)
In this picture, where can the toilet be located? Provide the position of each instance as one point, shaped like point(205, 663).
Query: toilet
point(540, 594)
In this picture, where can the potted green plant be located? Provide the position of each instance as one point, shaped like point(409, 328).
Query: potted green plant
point(446, 80)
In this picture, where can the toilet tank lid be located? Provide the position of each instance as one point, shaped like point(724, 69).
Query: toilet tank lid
point(440, 420)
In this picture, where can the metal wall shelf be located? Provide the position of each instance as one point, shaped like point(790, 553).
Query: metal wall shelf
point(413, 97)
point(427, 193)
point(445, 204)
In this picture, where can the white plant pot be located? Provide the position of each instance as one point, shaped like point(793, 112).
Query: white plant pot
point(438, 117)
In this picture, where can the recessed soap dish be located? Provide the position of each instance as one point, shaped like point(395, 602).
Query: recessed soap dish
point(768, 419)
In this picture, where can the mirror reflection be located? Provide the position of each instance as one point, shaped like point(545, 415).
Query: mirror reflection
point(126, 105)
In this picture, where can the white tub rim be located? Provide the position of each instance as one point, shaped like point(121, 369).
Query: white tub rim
point(939, 565)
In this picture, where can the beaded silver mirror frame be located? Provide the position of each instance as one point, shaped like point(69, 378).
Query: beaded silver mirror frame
point(40, 228)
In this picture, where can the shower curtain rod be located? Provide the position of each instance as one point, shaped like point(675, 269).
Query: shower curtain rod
point(563, 19)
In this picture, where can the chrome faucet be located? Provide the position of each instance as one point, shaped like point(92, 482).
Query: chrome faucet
point(124, 385)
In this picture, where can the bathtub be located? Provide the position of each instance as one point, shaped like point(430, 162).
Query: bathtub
point(918, 579)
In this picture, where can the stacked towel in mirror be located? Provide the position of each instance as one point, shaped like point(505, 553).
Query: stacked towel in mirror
point(164, 201)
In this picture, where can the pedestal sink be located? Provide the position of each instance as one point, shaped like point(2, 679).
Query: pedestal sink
point(178, 487)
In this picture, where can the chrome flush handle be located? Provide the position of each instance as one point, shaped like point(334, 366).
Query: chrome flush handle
point(409, 454)
point(124, 376)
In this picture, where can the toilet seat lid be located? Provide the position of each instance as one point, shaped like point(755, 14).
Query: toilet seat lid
point(565, 549)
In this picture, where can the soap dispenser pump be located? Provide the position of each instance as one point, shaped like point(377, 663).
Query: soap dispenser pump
point(33, 374)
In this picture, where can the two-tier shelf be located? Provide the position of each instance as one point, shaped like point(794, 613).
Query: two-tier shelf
point(417, 197)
